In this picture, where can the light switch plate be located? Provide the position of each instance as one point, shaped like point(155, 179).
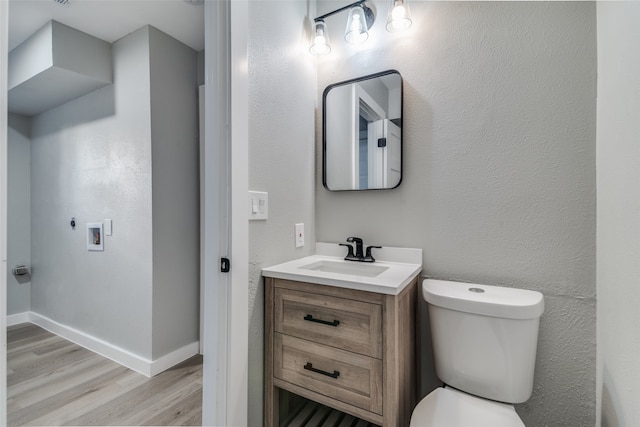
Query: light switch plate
point(258, 205)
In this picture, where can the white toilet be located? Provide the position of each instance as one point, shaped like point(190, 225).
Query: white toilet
point(484, 344)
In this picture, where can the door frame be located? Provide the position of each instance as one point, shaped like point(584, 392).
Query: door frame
point(226, 229)
point(4, 53)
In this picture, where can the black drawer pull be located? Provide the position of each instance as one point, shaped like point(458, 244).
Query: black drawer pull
point(309, 367)
point(324, 322)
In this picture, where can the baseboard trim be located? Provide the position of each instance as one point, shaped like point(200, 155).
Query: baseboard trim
point(173, 358)
point(144, 366)
point(16, 319)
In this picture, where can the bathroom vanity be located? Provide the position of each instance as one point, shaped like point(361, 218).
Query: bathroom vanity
point(342, 333)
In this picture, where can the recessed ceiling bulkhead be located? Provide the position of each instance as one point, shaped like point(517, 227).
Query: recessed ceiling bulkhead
point(54, 65)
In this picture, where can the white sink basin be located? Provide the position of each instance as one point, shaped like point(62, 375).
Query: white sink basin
point(394, 269)
point(346, 267)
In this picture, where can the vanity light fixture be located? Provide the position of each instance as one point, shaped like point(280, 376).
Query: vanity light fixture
point(360, 20)
point(399, 17)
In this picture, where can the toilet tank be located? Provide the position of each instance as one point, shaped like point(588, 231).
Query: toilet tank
point(484, 337)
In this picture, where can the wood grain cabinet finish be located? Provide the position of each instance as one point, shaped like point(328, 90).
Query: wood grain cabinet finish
point(347, 349)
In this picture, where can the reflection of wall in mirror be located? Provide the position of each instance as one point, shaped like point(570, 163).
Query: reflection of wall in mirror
point(338, 152)
point(377, 91)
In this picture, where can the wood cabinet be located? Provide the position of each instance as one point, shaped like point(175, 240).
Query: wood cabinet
point(351, 350)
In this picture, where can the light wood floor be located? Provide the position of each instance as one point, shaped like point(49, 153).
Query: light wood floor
point(53, 382)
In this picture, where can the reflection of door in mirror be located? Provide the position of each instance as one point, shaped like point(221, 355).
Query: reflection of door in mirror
point(368, 111)
point(384, 154)
point(363, 164)
point(393, 166)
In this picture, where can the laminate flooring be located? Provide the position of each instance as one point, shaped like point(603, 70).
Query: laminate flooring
point(54, 382)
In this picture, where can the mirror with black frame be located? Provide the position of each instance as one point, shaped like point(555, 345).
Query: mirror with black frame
point(362, 133)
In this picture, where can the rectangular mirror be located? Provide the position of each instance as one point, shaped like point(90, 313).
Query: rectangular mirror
point(362, 133)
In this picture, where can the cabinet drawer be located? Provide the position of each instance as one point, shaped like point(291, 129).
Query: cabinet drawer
point(338, 322)
point(341, 375)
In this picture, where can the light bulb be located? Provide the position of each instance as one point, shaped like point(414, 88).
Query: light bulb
point(356, 31)
point(399, 17)
point(320, 44)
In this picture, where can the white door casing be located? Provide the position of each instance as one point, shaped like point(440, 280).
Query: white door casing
point(226, 230)
point(4, 53)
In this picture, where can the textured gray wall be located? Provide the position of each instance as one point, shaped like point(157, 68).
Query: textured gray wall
point(18, 212)
point(91, 159)
point(282, 95)
point(618, 153)
point(499, 169)
point(176, 193)
point(128, 152)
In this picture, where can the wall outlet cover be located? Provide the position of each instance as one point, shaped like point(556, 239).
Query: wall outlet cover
point(299, 229)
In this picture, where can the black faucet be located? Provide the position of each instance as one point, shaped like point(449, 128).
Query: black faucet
point(359, 251)
point(359, 254)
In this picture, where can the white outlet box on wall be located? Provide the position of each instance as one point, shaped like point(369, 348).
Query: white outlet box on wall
point(299, 230)
point(95, 236)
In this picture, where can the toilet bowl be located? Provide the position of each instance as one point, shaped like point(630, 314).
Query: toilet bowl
point(448, 407)
point(484, 345)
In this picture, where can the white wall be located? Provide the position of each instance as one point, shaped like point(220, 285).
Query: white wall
point(340, 127)
point(282, 98)
point(618, 153)
point(18, 212)
point(125, 154)
point(176, 193)
point(91, 159)
point(499, 168)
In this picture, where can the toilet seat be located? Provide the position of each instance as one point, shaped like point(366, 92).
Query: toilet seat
point(448, 407)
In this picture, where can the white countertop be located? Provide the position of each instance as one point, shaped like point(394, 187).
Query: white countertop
point(400, 265)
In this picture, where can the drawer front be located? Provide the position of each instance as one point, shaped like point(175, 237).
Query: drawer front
point(341, 375)
point(338, 322)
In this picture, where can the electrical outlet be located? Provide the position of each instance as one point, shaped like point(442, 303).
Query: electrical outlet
point(299, 235)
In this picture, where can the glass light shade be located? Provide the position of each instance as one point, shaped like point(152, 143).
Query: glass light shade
point(399, 17)
point(320, 42)
point(356, 31)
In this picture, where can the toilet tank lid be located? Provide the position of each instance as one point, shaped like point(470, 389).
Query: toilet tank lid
point(496, 301)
